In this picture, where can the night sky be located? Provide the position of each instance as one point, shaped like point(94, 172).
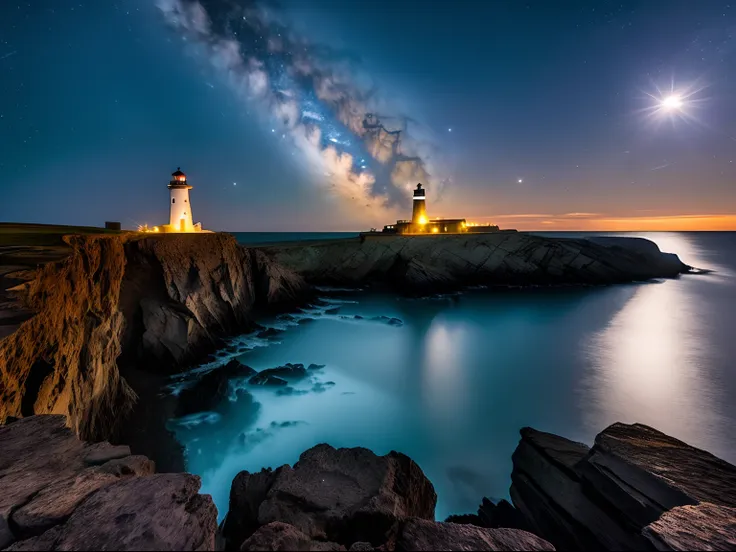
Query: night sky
point(531, 114)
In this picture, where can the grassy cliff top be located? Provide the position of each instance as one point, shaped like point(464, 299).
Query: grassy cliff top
point(19, 234)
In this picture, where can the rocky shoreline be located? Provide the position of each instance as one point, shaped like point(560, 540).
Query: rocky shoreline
point(635, 489)
point(432, 264)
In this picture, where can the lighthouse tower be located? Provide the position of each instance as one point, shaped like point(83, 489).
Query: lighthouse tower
point(419, 212)
point(180, 219)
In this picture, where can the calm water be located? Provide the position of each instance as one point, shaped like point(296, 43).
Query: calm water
point(452, 385)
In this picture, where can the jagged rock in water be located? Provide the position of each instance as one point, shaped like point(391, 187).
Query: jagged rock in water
point(315, 366)
point(53, 499)
point(429, 264)
point(267, 380)
point(288, 371)
point(422, 534)
point(282, 536)
point(337, 495)
point(211, 389)
point(702, 527)
point(602, 498)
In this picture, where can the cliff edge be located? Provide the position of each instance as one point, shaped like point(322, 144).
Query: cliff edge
point(427, 264)
point(118, 303)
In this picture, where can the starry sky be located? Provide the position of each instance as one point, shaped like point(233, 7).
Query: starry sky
point(323, 115)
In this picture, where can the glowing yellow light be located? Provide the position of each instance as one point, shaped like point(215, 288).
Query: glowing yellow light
point(422, 220)
point(155, 228)
point(672, 103)
point(435, 230)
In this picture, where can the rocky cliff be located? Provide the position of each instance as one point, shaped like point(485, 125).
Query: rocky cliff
point(434, 263)
point(636, 489)
point(115, 303)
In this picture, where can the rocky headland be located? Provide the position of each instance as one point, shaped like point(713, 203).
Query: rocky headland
point(635, 489)
point(110, 308)
point(429, 264)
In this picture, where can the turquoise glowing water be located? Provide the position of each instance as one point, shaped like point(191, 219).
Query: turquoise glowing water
point(453, 384)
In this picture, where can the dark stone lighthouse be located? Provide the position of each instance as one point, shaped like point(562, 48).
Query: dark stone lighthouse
point(419, 211)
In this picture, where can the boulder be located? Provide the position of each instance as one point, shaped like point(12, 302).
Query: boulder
point(59, 493)
point(337, 495)
point(315, 366)
point(247, 493)
point(702, 527)
point(282, 536)
point(158, 512)
point(267, 380)
point(602, 498)
point(421, 534)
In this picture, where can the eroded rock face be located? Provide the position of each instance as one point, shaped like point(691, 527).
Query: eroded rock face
point(282, 536)
point(117, 301)
point(702, 527)
point(604, 497)
point(423, 264)
point(337, 495)
point(52, 498)
point(420, 534)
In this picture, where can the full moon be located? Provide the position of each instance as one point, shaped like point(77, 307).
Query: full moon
point(672, 103)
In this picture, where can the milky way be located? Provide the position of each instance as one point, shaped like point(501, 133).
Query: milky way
point(313, 96)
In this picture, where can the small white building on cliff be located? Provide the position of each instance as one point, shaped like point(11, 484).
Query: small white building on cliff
point(180, 208)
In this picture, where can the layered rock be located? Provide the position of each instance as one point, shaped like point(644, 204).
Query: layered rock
point(59, 493)
point(118, 301)
point(422, 264)
point(625, 493)
point(420, 534)
point(350, 499)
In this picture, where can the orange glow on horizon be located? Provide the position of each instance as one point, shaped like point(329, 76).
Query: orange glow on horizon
point(593, 222)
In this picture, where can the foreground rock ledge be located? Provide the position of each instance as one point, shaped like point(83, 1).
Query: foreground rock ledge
point(58, 493)
point(351, 499)
point(635, 489)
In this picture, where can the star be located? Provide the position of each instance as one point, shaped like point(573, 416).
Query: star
point(520, 181)
point(235, 183)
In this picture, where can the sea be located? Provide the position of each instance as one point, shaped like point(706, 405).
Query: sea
point(449, 380)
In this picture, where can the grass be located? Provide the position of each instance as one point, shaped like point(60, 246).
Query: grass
point(13, 233)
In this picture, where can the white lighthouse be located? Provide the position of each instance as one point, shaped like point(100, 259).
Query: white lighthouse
point(180, 219)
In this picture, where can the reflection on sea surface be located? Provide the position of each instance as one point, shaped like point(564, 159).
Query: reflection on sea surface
point(450, 380)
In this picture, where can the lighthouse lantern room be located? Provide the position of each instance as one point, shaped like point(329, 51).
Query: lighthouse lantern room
point(180, 219)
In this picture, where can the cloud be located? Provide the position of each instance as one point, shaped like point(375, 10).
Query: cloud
point(316, 97)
